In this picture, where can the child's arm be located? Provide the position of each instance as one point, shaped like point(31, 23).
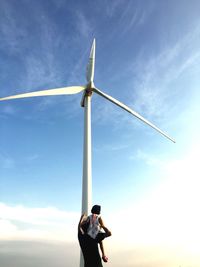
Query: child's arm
point(81, 222)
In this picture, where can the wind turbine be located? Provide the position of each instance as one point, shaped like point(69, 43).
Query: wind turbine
point(87, 90)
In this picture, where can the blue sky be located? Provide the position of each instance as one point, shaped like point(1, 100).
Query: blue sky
point(148, 57)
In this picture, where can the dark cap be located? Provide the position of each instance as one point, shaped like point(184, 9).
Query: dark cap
point(96, 209)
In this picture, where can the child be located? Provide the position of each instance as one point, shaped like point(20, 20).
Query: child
point(94, 228)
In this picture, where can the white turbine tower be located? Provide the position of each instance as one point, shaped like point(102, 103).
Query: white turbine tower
point(87, 89)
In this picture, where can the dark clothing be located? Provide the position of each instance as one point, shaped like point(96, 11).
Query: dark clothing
point(90, 250)
point(100, 237)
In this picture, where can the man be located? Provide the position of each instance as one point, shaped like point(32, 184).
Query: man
point(89, 245)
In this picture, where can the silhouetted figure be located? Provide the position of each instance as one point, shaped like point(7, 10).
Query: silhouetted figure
point(89, 236)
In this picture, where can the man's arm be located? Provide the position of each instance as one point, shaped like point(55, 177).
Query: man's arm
point(108, 232)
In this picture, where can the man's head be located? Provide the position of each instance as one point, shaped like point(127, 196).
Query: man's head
point(96, 209)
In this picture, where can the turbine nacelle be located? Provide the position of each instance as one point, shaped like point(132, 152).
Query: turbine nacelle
point(88, 92)
point(90, 86)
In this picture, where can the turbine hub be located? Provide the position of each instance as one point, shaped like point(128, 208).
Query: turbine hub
point(88, 92)
point(90, 88)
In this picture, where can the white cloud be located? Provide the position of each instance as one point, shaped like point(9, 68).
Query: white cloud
point(133, 17)
point(149, 159)
point(84, 26)
point(10, 29)
point(20, 222)
point(154, 76)
point(111, 7)
point(6, 227)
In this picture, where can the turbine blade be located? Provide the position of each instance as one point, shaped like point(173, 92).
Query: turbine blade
point(58, 91)
point(118, 103)
point(91, 64)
